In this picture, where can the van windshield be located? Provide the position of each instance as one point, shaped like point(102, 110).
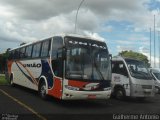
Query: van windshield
point(156, 73)
point(138, 69)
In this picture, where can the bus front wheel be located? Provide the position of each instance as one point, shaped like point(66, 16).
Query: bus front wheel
point(43, 90)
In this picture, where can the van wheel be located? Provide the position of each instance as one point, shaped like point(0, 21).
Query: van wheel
point(157, 89)
point(141, 99)
point(119, 93)
point(43, 90)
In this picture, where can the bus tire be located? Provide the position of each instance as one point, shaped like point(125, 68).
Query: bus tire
point(119, 93)
point(43, 90)
point(11, 81)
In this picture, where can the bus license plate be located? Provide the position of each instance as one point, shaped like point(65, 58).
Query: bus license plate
point(92, 96)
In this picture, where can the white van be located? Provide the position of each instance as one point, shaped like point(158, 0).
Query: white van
point(156, 75)
point(131, 78)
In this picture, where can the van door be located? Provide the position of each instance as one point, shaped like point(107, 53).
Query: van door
point(120, 77)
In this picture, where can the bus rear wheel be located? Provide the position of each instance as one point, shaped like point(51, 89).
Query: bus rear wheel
point(119, 93)
point(43, 90)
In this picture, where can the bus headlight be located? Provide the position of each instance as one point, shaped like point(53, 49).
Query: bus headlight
point(107, 89)
point(71, 88)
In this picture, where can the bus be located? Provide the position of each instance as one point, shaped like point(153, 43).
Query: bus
point(66, 66)
point(131, 77)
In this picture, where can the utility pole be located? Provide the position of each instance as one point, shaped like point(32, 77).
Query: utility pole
point(159, 46)
point(154, 44)
point(150, 45)
point(75, 29)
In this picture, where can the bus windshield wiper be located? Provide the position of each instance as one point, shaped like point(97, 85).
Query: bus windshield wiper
point(98, 70)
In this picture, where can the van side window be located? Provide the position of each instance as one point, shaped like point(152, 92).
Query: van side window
point(119, 68)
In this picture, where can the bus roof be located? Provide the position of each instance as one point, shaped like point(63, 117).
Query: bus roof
point(60, 35)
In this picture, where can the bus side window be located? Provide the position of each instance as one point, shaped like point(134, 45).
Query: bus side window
point(57, 61)
point(22, 52)
point(11, 54)
point(36, 50)
point(28, 51)
point(56, 45)
point(16, 54)
point(45, 48)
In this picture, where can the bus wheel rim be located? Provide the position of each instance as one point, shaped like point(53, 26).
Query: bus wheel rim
point(43, 90)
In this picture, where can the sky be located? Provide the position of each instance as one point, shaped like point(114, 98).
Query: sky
point(123, 24)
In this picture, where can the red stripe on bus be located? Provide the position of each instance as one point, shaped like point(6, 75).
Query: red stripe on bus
point(75, 83)
point(9, 67)
point(57, 89)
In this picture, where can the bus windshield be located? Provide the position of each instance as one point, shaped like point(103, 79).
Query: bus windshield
point(138, 69)
point(86, 59)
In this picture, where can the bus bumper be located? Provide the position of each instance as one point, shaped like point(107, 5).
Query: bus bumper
point(77, 95)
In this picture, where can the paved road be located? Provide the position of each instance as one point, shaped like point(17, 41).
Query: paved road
point(21, 101)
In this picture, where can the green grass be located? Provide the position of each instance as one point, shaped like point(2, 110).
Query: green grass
point(3, 81)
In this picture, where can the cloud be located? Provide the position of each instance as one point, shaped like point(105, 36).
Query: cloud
point(94, 35)
point(125, 42)
point(22, 20)
point(43, 9)
point(124, 48)
point(145, 51)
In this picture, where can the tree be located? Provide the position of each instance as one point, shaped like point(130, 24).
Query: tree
point(135, 55)
point(3, 60)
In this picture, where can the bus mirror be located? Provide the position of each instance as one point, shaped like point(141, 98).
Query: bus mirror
point(110, 56)
point(64, 53)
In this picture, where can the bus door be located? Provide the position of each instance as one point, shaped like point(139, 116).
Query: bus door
point(120, 77)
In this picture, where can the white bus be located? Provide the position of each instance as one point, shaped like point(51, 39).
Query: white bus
point(131, 77)
point(63, 66)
